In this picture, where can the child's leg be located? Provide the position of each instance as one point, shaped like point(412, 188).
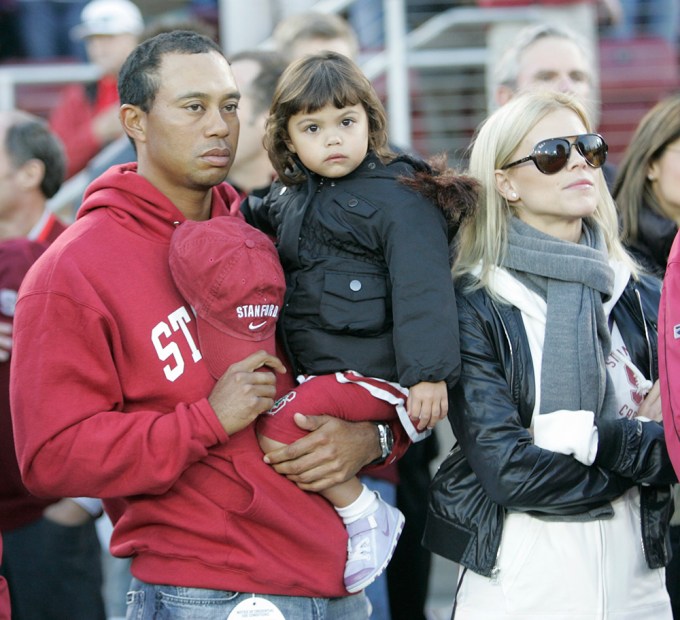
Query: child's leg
point(373, 526)
point(321, 395)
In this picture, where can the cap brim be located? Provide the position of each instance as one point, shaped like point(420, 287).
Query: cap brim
point(220, 350)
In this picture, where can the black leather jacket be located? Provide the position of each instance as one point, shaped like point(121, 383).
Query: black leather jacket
point(494, 466)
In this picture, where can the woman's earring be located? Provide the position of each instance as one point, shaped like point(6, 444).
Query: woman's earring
point(513, 195)
point(651, 177)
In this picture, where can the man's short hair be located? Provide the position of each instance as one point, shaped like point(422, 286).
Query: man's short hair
point(29, 137)
point(138, 79)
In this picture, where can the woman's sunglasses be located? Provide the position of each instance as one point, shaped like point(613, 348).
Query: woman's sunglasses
point(551, 155)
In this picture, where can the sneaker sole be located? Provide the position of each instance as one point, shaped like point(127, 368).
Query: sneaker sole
point(362, 585)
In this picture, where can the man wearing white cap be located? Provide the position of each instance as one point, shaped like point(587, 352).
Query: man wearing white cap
point(86, 117)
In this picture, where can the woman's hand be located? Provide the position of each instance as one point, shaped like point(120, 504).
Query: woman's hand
point(651, 406)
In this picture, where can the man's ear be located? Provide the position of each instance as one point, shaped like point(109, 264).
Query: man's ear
point(133, 120)
point(505, 186)
point(31, 174)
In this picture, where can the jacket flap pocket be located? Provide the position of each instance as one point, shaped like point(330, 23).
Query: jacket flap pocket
point(355, 204)
point(355, 286)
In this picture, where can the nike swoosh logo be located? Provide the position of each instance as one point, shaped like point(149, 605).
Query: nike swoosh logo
point(254, 326)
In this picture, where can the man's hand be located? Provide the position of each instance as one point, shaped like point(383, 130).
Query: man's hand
point(650, 407)
point(243, 392)
point(333, 452)
point(5, 340)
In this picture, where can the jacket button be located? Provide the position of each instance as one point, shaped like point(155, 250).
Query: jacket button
point(355, 285)
point(353, 202)
point(371, 165)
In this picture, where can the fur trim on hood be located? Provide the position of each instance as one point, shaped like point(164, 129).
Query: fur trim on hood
point(454, 193)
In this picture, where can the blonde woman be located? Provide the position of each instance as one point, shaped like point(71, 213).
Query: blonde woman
point(559, 471)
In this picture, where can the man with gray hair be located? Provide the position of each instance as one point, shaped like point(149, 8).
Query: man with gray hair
point(546, 56)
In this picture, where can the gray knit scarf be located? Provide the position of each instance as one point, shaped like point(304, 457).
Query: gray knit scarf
point(573, 279)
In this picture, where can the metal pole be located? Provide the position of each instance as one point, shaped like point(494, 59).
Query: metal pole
point(398, 91)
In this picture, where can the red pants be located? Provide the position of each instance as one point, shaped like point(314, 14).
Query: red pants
point(324, 394)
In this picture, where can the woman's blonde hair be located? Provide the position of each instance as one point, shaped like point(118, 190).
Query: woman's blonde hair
point(483, 239)
point(309, 84)
point(632, 189)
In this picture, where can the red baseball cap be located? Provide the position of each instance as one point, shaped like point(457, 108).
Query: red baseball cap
point(16, 257)
point(230, 273)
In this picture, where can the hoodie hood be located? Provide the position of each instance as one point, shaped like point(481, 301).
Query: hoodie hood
point(139, 206)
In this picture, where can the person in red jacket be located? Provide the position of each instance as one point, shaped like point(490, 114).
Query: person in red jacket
point(86, 116)
point(669, 352)
point(51, 544)
point(126, 408)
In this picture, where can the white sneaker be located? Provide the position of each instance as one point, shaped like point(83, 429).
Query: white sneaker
point(371, 544)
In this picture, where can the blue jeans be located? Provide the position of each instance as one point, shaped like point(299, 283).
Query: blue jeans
point(153, 602)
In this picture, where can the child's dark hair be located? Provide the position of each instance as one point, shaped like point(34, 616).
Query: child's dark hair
point(309, 84)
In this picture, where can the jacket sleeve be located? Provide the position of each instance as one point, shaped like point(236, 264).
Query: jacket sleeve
point(264, 212)
point(426, 339)
point(486, 421)
point(669, 353)
point(634, 449)
point(72, 437)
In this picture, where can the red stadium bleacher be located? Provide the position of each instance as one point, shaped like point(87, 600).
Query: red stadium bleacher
point(634, 75)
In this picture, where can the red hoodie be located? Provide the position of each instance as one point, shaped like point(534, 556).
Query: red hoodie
point(669, 353)
point(109, 399)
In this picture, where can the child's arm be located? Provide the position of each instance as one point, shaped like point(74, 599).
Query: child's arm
point(257, 212)
point(428, 403)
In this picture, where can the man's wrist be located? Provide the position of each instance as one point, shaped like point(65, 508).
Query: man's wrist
point(385, 442)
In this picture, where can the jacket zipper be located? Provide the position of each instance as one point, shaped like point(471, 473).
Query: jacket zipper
point(512, 352)
point(651, 377)
point(647, 340)
point(495, 571)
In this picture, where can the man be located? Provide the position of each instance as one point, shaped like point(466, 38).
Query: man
point(86, 116)
point(547, 57)
point(256, 73)
point(126, 407)
point(51, 545)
